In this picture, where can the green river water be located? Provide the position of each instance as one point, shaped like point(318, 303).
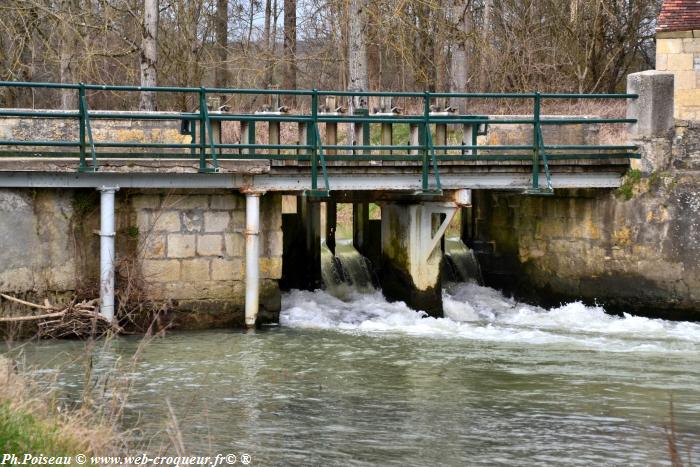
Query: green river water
point(359, 381)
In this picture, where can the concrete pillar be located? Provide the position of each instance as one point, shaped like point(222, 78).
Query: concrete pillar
point(441, 136)
point(216, 129)
point(331, 127)
point(274, 135)
point(310, 230)
point(653, 110)
point(360, 227)
point(411, 254)
point(252, 257)
point(468, 131)
point(303, 133)
point(654, 107)
point(247, 136)
point(331, 137)
point(107, 253)
point(361, 130)
point(414, 138)
point(387, 135)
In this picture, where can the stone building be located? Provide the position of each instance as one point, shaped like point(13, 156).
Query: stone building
point(678, 51)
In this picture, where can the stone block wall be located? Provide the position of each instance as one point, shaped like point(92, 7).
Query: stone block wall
point(103, 130)
point(188, 248)
point(635, 250)
point(552, 134)
point(679, 53)
point(193, 249)
point(37, 247)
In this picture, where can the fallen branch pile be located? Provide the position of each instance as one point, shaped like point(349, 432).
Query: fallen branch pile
point(77, 319)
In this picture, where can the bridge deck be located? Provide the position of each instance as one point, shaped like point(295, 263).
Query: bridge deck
point(187, 149)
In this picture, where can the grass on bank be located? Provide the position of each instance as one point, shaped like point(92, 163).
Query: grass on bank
point(31, 422)
point(21, 431)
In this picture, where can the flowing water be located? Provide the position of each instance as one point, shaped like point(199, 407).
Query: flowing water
point(350, 379)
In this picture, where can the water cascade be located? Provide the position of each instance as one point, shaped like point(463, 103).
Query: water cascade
point(460, 263)
point(347, 270)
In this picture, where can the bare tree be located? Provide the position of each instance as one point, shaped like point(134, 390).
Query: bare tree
point(462, 24)
point(149, 53)
point(221, 79)
point(290, 45)
point(68, 48)
point(488, 45)
point(269, 39)
point(357, 50)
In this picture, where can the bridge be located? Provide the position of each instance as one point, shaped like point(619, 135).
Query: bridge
point(420, 160)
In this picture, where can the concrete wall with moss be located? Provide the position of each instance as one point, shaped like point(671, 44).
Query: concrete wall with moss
point(183, 250)
point(103, 130)
point(636, 249)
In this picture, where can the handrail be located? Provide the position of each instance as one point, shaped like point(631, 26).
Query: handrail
point(204, 146)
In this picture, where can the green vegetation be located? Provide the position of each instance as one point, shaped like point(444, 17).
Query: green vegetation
point(31, 422)
point(23, 432)
point(401, 135)
point(631, 180)
point(84, 202)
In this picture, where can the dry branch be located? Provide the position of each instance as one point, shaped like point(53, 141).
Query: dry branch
point(77, 319)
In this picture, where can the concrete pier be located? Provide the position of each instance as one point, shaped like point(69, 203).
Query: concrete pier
point(411, 255)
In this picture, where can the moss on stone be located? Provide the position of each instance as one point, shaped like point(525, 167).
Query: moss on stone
point(631, 180)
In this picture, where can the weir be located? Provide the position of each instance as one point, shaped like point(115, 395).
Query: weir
point(227, 236)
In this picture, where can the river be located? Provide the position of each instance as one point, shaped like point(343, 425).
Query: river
point(360, 381)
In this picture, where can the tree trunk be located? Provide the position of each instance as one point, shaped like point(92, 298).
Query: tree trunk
point(68, 48)
point(459, 67)
point(438, 21)
point(221, 77)
point(267, 39)
point(290, 46)
point(358, 79)
point(485, 38)
point(149, 53)
point(357, 50)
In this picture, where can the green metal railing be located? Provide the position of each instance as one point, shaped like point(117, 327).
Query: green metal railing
point(204, 147)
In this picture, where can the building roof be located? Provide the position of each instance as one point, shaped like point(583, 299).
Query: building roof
point(679, 15)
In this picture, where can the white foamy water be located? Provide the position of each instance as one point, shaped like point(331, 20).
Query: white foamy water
point(482, 313)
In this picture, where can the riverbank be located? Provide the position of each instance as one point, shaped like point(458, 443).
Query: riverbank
point(360, 380)
point(33, 424)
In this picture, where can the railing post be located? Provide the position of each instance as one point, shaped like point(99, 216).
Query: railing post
point(202, 129)
point(535, 143)
point(82, 119)
point(424, 142)
point(312, 140)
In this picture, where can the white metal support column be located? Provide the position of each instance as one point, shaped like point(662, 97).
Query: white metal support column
point(107, 253)
point(252, 257)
